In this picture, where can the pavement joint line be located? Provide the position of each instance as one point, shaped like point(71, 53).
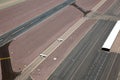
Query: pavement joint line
point(111, 68)
point(55, 44)
point(101, 67)
point(86, 56)
point(93, 64)
point(85, 59)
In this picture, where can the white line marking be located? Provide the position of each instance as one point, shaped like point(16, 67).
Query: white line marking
point(18, 30)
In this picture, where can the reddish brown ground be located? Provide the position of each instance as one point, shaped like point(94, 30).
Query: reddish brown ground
point(18, 14)
point(25, 48)
point(13, 16)
point(116, 44)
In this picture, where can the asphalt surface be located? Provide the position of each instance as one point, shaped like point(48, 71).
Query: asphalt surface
point(9, 36)
point(87, 61)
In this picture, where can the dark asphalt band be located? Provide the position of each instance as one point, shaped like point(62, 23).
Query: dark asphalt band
point(9, 36)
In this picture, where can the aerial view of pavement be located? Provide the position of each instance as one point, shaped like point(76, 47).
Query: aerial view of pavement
point(60, 39)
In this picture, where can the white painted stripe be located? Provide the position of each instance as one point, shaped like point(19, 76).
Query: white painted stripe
point(18, 30)
point(112, 36)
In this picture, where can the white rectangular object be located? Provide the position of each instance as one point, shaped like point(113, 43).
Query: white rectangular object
point(112, 36)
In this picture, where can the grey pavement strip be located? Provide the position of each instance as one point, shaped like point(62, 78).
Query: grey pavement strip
point(9, 36)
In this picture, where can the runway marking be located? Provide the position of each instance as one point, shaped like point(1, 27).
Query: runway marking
point(36, 62)
point(18, 30)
